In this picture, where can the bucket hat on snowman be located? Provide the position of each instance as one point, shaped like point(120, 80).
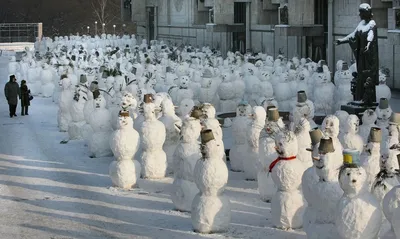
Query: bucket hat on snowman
point(326, 146)
point(273, 114)
point(316, 136)
point(301, 98)
point(375, 135)
point(123, 113)
point(148, 98)
point(383, 103)
point(394, 118)
point(345, 66)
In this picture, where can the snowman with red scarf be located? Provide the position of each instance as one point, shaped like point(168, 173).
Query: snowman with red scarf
point(288, 204)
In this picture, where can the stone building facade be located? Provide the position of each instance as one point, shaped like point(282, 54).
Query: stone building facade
point(304, 28)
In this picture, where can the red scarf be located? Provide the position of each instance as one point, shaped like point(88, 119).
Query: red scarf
point(272, 165)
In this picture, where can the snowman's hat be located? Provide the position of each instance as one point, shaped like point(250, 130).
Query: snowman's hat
point(394, 118)
point(273, 114)
point(63, 76)
point(127, 50)
point(375, 135)
point(207, 73)
point(168, 69)
point(292, 67)
point(320, 69)
point(301, 97)
point(96, 94)
point(316, 136)
point(206, 136)
point(345, 66)
point(326, 146)
point(322, 63)
point(351, 157)
point(102, 68)
point(104, 75)
point(83, 79)
point(123, 114)
point(196, 113)
point(270, 107)
point(383, 103)
point(148, 98)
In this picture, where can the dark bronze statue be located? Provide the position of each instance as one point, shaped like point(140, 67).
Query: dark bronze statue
point(364, 44)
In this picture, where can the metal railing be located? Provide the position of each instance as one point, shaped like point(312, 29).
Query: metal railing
point(20, 32)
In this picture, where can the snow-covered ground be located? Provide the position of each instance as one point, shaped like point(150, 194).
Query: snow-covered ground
point(51, 190)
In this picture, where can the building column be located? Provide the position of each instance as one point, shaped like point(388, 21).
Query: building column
point(330, 56)
point(155, 22)
point(248, 19)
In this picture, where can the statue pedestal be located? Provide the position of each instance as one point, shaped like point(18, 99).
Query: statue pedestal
point(357, 108)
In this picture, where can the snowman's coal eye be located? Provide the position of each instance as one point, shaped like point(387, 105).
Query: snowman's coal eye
point(348, 174)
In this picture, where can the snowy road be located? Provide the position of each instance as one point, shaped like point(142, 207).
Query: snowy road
point(50, 190)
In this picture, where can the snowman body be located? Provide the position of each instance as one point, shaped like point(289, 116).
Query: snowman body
point(153, 133)
point(370, 161)
point(184, 160)
point(211, 210)
point(288, 204)
point(240, 125)
point(252, 162)
point(124, 171)
point(171, 122)
point(100, 120)
point(358, 212)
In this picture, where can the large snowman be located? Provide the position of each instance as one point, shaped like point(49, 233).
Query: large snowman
point(47, 81)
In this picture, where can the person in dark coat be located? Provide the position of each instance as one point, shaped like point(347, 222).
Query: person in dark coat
point(11, 91)
point(25, 102)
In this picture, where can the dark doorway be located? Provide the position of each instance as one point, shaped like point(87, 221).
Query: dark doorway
point(239, 38)
point(316, 46)
point(151, 24)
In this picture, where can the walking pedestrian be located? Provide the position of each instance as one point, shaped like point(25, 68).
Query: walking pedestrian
point(11, 91)
point(25, 101)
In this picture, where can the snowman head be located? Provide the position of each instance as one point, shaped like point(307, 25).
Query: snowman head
point(388, 162)
point(99, 102)
point(352, 124)
point(226, 76)
point(286, 144)
point(369, 117)
point(352, 179)
point(184, 82)
point(259, 64)
point(208, 110)
point(284, 76)
point(243, 110)
point(330, 126)
point(186, 106)
point(125, 121)
point(342, 116)
point(303, 75)
point(259, 115)
point(191, 129)
point(382, 79)
point(167, 107)
point(65, 83)
point(128, 101)
point(149, 111)
point(384, 114)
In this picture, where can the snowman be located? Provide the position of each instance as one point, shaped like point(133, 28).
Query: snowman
point(153, 134)
point(100, 120)
point(211, 210)
point(370, 159)
point(208, 90)
point(343, 86)
point(78, 118)
point(13, 66)
point(368, 121)
point(240, 125)
point(124, 171)
point(288, 204)
point(383, 112)
point(64, 116)
point(267, 153)
point(351, 139)
point(323, 92)
point(358, 213)
point(185, 157)
point(323, 197)
point(93, 93)
point(342, 116)
point(183, 92)
point(382, 90)
point(252, 161)
point(226, 93)
point(46, 77)
point(172, 125)
point(330, 128)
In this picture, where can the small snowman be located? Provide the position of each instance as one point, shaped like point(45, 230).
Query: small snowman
point(382, 90)
point(252, 161)
point(226, 93)
point(288, 204)
point(211, 210)
point(172, 125)
point(323, 197)
point(383, 112)
point(368, 121)
point(239, 129)
point(371, 158)
point(124, 171)
point(330, 128)
point(390, 205)
point(342, 116)
point(358, 214)
point(183, 92)
point(100, 120)
point(185, 157)
point(46, 77)
point(76, 111)
point(351, 138)
point(64, 116)
point(323, 92)
point(153, 133)
point(267, 154)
